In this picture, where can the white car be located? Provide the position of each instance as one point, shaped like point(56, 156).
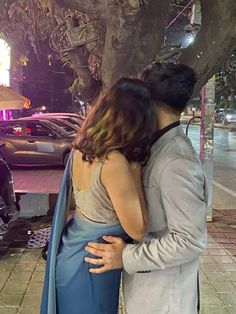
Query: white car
point(230, 116)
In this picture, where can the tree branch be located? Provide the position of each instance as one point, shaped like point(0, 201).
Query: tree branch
point(94, 8)
point(215, 40)
point(86, 85)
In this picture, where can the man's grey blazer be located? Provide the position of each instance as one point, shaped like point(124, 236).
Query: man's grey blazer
point(161, 273)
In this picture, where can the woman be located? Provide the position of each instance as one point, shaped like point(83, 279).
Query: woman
point(104, 169)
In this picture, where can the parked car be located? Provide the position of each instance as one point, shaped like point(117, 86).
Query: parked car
point(230, 116)
point(62, 123)
point(34, 141)
point(70, 117)
point(219, 115)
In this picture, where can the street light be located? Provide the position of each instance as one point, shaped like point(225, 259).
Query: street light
point(190, 31)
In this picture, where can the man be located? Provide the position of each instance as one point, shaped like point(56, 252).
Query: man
point(161, 273)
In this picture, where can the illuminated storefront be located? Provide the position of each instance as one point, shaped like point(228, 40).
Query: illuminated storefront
point(5, 61)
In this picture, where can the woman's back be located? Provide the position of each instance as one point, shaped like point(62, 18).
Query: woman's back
point(91, 198)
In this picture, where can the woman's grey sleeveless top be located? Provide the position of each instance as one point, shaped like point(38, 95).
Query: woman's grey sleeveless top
point(94, 203)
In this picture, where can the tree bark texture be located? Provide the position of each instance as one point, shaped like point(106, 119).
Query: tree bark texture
point(134, 33)
point(87, 86)
point(215, 40)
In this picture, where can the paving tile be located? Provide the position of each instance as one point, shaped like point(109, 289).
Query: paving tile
point(230, 234)
point(29, 310)
point(217, 235)
point(23, 271)
point(217, 252)
point(31, 301)
point(7, 266)
point(4, 276)
point(20, 276)
point(17, 251)
point(214, 245)
point(35, 289)
point(223, 240)
point(210, 240)
point(210, 299)
point(213, 310)
point(203, 277)
point(217, 276)
point(11, 258)
point(231, 252)
point(8, 310)
point(227, 267)
point(212, 226)
point(40, 267)
point(223, 259)
point(229, 299)
point(10, 299)
point(207, 259)
point(228, 246)
point(207, 287)
point(231, 275)
point(226, 287)
point(233, 258)
point(15, 287)
point(220, 224)
point(29, 258)
point(210, 267)
point(25, 267)
point(2, 284)
point(38, 276)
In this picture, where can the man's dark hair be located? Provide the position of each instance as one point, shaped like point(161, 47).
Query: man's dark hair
point(170, 83)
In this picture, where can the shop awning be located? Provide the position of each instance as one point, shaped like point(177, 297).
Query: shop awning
point(9, 99)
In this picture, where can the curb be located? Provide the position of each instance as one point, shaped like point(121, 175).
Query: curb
point(219, 126)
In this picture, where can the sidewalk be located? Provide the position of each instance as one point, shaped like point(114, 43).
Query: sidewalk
point(22, 269)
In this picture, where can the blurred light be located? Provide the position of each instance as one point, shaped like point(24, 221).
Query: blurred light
point(189, 39)
point(5, 51)
point(5, 115)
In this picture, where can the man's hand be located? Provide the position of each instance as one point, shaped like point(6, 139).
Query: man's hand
point(110, 254)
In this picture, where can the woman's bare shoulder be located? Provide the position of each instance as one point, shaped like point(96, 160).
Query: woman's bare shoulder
point(116, 159)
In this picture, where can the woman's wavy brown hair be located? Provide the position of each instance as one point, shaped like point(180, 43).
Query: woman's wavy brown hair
point(121, 121)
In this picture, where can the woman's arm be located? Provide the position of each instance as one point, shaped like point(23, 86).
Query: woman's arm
point(136, 170)
point(123, 187)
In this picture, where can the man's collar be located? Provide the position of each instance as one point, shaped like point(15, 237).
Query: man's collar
point(161, 132)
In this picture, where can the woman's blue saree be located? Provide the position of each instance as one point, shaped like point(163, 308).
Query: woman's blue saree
point(69, 287)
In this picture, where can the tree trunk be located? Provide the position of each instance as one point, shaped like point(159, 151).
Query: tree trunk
point(135, 28)
point(215, 40)
point(86, 85)
point(133, 37)
point(134, 33)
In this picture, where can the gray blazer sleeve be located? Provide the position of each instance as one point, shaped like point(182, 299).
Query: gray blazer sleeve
point(182, 188)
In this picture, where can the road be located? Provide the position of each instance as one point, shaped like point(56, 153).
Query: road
point(224, 163)
point(47, 179)
point(37, 179)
